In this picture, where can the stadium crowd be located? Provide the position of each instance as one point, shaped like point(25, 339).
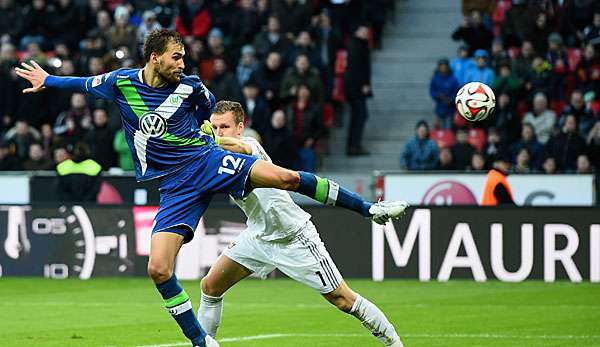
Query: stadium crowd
point(290, 63)
point(542, 59)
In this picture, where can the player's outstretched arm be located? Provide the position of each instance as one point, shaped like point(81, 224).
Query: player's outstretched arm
point(228, 143)
point(235, 145)
point(34, 74)
point(40, 79)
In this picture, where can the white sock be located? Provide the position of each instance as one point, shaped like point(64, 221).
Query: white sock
point(373, 319)
point(209, 313)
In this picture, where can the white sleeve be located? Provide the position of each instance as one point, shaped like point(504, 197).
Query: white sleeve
point(257, 150)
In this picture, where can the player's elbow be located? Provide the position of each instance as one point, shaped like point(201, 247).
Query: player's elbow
point(159, 272)
point(289, 179)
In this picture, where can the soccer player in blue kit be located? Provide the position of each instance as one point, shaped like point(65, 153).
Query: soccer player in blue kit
point(161, 110)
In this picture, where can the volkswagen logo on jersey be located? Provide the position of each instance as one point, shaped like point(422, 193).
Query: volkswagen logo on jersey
point(153, 125)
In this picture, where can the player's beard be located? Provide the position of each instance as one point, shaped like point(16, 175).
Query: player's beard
point(165, 75)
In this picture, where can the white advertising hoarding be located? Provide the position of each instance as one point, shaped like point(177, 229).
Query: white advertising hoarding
point(14, 189)
point(467, 189)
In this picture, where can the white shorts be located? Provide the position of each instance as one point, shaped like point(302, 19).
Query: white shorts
point(303, 258)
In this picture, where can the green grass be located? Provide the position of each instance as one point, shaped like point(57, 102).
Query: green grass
point(128, 312)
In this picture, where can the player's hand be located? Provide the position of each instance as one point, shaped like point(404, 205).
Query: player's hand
point(207, 129)
point(34, 74)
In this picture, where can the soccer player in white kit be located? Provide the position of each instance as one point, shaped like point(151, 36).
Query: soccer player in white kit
point(279, 235)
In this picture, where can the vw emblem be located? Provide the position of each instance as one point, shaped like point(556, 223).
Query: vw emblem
point(153, 125)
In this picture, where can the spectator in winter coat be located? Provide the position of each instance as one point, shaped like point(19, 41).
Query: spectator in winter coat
point(421, 152)
point(474, 33)
point(541, 118)
point(481, 72)
point(443, 88)
point(567, 145)
point(534, 148)
point(461, 64)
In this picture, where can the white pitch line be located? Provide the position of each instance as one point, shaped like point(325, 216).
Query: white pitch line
point(416, 336)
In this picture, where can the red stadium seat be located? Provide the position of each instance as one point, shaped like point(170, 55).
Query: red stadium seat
point(341, 60)
point(459, 121)
point(443, 137)
point(595, 107)
point(328, 115)
point(513, 52)
point(574, 57)
point(557, 106)
point(477, 138)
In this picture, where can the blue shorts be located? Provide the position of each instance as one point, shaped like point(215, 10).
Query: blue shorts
point(186, 193)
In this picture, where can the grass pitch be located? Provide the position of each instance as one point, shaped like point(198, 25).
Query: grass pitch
point(282, 313)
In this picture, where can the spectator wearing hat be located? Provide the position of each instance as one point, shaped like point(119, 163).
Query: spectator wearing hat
point(123, 34)
point(481, 72)
point(496, 190)
point(421, 152)
point(247, 64)
point(473, 33)
point(541, 118)
point(443, 88)
point(557, 57)
point(148, 25)
point(461, 63)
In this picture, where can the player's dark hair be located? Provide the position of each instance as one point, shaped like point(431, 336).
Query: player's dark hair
point(157, 42)
point(224, 106)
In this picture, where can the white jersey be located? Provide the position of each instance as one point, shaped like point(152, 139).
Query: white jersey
point(272, 214)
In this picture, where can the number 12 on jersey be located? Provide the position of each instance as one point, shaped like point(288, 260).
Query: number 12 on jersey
point(228, 162)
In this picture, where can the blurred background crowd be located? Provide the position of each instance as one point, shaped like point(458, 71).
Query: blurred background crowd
point(541, 58)
point(292, 64)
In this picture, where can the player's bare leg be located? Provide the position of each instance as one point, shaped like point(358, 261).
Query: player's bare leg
point(164, 247)
point(224, 274)
point(370, 315)
point(268, 175)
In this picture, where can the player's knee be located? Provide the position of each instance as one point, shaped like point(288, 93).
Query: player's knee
point(159, 272)
point(209, 288)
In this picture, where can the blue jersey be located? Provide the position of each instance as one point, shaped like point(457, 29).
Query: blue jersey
point(161, 124)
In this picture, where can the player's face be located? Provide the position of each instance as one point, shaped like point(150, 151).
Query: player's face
point(224, 125)
point(170, 64)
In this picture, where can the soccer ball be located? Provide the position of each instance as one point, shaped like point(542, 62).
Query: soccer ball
point(475, 101)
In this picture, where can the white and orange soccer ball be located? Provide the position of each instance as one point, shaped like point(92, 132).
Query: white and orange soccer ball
point(475, 101)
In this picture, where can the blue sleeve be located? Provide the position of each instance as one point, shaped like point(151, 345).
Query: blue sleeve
point(101, 86)
point(203, 99)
